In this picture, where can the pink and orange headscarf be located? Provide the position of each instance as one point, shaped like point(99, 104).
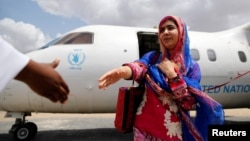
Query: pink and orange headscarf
point(181, 54)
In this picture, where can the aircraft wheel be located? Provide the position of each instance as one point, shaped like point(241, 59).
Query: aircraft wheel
point(23, 133)
point(13, 128)
point(33, 128)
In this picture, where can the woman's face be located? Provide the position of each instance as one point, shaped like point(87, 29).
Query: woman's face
point(168, 35)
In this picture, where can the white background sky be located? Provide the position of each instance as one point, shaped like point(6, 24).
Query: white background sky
point(29, 24)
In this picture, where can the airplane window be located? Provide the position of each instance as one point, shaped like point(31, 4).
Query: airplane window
point(195, 54)
point(211, 55)
point(77, 38)
point(50, 43)
point(242, 56)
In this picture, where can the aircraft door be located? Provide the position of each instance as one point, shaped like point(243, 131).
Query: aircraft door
point(148, 41)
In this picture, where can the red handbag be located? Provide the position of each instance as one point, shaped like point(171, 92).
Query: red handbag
point(128, 101)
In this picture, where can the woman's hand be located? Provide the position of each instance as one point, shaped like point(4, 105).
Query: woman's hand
point(113, 76)
point(168, 68)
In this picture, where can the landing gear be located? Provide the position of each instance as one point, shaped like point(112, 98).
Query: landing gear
point(22, 130)
point(25, 132)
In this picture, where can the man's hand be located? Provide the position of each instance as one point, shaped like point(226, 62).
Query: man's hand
point(45, 80)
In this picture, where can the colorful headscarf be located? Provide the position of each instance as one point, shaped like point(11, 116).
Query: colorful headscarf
point(181, 54)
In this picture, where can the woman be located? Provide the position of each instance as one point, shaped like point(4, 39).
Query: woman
point(172, 89)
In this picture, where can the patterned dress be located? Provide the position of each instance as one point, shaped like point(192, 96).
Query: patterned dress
point(158, 117)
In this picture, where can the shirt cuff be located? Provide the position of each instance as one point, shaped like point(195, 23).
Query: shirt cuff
point(12, 62)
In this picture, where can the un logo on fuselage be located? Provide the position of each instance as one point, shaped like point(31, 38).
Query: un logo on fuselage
point(76, 58)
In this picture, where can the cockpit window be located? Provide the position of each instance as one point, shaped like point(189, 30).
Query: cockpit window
point(77, 38)
point(50, 43)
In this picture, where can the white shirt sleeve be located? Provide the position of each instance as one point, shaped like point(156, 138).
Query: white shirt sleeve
point(12, 62)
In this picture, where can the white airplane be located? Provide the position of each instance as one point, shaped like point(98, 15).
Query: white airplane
point(88, 52)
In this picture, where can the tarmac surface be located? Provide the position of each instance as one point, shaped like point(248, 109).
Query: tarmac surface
point(89, 127)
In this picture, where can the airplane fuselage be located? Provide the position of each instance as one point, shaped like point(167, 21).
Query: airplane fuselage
point(88, 52)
